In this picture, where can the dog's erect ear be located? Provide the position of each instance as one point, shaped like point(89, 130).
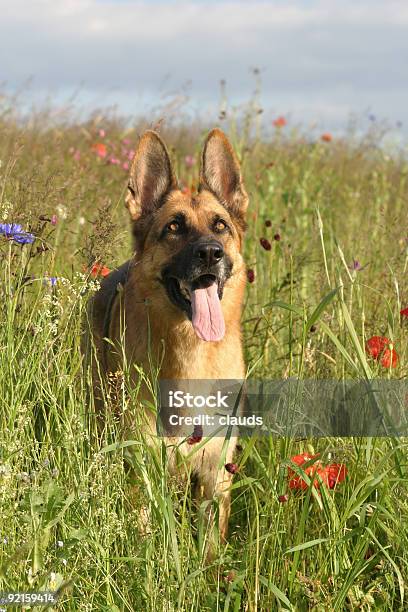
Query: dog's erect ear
point(221, 174)
point(151, 176)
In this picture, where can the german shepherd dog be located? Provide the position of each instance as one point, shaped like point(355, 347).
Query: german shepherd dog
point(181, 293)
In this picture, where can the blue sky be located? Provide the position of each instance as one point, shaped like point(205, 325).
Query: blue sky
point(320, 62)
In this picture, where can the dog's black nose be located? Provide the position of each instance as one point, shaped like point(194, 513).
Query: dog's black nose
point(208, 253)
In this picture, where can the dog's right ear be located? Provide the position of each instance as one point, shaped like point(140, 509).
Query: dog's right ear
point(151, 176)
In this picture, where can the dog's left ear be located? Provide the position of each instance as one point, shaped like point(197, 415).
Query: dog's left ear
point(221, 174)
point(151, 176)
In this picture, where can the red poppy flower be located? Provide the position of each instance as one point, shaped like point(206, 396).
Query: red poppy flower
point(282, 499)
point(404, 313)
point(389, 358)
point(326, 137)
point(100, 149)
point(265, 244)
point(375, 345)
point(232, 468)
point(335, 473)
point(329, 475)
point(378, 347)
point(279, 122)
point(99, 270)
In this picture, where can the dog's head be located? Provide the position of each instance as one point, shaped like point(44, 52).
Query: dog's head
point(189, 245)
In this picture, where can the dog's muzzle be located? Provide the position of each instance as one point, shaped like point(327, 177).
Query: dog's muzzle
point(195, 281)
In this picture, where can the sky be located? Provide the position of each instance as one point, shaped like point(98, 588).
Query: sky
point(320, 62)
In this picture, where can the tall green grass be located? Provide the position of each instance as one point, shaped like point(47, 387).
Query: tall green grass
point(70, 505)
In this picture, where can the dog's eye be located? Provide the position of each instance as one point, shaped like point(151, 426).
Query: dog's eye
point(173, 227)
point(220, 225)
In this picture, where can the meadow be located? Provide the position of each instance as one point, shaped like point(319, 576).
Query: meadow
point(327, 257)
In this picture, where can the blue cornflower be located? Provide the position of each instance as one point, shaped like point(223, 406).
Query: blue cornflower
point(15, 232)
point(50, 280)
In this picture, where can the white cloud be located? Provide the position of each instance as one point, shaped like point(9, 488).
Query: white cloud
point(324, 55)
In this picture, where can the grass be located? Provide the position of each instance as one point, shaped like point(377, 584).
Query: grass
point(69, 509)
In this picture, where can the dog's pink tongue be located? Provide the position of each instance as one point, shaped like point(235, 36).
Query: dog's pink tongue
point(208, 320)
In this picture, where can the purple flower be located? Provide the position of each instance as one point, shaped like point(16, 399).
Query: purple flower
point(50, 280)
point(15, 232)
point(356, 266)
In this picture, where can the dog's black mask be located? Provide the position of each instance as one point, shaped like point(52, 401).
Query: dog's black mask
point(200, 264)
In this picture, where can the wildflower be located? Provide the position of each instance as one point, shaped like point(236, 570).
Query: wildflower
point(189, 160)
point(268, 223)
point(5, 541)
point(283, 498)
point(99, 270)
point(333, 474)
point(250, 276)
point(265, 244)
point(125, 166)
point(196, 436)
point(375, 345)
point(232, 468)
point(381, 348)
point(277, 237)
point(114, 161)
point(50, 280)
point(389, 358)
point(404, 313)
point(100, 149)
point(329, 475)
point(326, 137)
point(356, 266)
point(126, 142)
point(102, 133)
point(14, 231)
point(279, 122)
point(54, 220)
point(60, 543)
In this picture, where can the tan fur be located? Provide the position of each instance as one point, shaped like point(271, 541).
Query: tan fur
point(142, 314)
